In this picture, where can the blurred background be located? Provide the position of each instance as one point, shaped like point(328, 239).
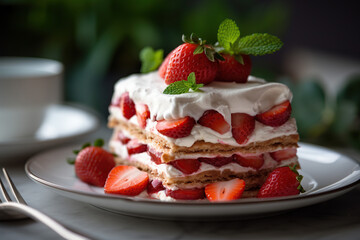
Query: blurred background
point(99, 42)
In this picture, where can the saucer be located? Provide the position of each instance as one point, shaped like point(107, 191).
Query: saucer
point(62, 124)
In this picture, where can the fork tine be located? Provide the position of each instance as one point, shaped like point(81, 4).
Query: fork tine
point(13, 189)
point(4, 192)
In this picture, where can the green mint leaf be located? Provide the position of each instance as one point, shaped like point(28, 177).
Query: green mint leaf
point(150, 59)
point(228, 33)
point(191, 79)
point(196, 87)
point(99, 142)
point(258, 44)
point(178, 87)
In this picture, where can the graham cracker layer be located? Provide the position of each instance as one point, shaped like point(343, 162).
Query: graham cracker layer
point(253, 179)
point(171, 151)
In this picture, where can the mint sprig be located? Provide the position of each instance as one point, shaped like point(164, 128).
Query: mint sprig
point(183, 86)
point(150, 59)
point(230, 42)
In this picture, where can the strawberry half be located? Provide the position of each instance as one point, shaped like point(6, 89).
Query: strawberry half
point(155, 186)
point(177, 128)
point(142, 114)
point(284, 154)
point(225, 191)
point(186, 194)
point(276, 116)
point(231, 70)
point(253, 161)
point(214, 120)
point(93, 164)
point(186, 166)
point(126, 180)
point(134, 147)
point(242, 126)
point(283, 181)
point(183, 61)
point(127, 106)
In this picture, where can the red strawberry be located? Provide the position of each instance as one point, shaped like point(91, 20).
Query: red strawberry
point(122, 138)
point(242, 126)
point(127, 106)
point(231, 70)
point(186, 166)
point(276, 116)
point(142, 114)
point(93, 164)
point(134, 147)
point(126, 180)
point(155, 156)
point(253, 161)
point(283, 154)
point(154, 186)
point(214, 120)
point(177, 128)
point(183, 62)
point(217, 161)
point(225, 191)
point(283, 181)
point(163, 66)
point(186, 194)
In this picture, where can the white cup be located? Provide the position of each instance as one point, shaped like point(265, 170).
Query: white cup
point(28, 86)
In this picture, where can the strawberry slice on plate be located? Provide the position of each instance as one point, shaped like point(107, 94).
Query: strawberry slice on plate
point(276, 116)
point(142, 114)
point(225, 191)
point(126, 180)
point(186, 166)
point(284, 154)
point(242, 126)
point(134, 147)
point(255, 161)
point(176, 128)
point(283, 181)
point(186, 194)
point(127, 106)
point(214, 120)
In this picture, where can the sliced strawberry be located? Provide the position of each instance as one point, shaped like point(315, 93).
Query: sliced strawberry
point(231, 70)
point(253, 161)
point(163, 66)
point(155, 156)
point(155, 186)
point(283, 181)
point(217, 161)
point(242, 126)
point(127, 106)
point(142, 114)
point(126, 180)
point(225, 191)
point(93, 164)
point(214, 120)
point(122, 138)
point(283, 154)
point(186, 194)
point(177, 128)
point(183, 61)
point(134, 147)
point(276, 116)
point(186, 166)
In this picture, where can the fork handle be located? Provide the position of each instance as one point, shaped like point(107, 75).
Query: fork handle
point(39, 216)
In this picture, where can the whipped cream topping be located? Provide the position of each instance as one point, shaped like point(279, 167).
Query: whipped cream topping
point(252, 97)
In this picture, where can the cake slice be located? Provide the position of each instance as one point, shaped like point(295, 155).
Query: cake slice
point(190, 155)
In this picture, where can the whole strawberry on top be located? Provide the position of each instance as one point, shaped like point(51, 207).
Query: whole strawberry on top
point(283, 181)
point(236, 51)
point(93, 163)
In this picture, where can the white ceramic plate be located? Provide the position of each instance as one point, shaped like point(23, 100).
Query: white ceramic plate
point(62, 124)
point(327, 174)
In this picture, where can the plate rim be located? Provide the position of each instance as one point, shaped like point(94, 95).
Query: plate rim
point(193, 203)
point(73, 106)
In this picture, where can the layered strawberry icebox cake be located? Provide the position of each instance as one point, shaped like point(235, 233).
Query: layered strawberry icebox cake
point(201, 127)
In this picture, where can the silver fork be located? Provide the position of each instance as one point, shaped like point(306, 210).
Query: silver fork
point(12, 209)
